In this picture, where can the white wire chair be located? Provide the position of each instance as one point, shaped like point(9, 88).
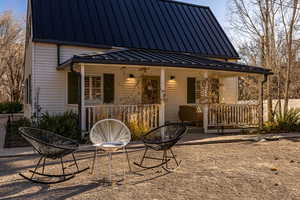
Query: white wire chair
point(110, 135)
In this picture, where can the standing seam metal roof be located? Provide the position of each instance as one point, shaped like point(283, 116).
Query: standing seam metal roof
point(144, 24)
point(163, 58)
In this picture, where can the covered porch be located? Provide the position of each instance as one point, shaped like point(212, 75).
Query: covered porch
point(149, 87)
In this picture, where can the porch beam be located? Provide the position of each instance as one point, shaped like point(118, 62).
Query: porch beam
point(83, 114)
point(162, 97)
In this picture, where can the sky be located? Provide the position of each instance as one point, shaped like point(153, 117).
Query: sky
point(18, 7)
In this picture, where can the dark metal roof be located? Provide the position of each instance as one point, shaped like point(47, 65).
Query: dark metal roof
point(144, 24)
point(162, 58)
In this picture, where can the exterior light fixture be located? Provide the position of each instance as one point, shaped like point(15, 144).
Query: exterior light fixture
point(131, 76)
point(172, 78)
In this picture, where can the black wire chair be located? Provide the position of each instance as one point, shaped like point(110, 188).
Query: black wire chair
point(50, 146)
point(162, 139)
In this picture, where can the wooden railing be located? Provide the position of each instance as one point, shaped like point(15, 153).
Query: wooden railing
point(233, 115)
point(142, 114)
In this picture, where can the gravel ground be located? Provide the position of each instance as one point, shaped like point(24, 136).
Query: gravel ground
point(246, 170)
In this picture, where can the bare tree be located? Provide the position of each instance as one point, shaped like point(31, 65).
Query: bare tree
point(11, 57)
point(256, 21)
point(290, 16)
point(271, 27)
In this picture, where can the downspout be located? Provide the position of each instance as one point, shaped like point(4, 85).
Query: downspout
point(261, 96)
point(58, 54)
point(79, 96)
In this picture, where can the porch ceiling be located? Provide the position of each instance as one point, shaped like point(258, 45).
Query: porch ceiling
point(162, 58)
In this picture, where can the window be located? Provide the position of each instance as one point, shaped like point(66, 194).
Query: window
point(98, 89)
point(93, 89)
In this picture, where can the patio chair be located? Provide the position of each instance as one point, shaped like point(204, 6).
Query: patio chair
point(190, 114)
point(50, 146)
point(110, 135)
point(162, 139)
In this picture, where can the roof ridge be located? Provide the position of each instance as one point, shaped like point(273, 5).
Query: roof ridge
point(185, 3)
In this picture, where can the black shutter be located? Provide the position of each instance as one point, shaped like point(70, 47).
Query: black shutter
point(108, 88)
point(26, 92)
point(73, 88)
point(29, 90)
point(191, 90)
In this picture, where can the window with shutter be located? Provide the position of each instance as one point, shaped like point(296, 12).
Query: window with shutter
point(29, 90)
point(26, 91)
point(96, 91)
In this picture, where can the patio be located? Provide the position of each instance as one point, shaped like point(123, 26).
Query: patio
point(222, 168)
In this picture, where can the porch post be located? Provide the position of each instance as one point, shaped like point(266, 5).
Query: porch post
point(83, 117)
point(205, 106)
point(162, 97)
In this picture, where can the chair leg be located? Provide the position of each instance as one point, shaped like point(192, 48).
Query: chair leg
point(174, 157)
point(38, 164)
point(127, 156)
point(110, 166)
point(62, 167)
point(166, 157)
point(94, 160)
point(43, 171)
point(75, 162)
point(143, 158)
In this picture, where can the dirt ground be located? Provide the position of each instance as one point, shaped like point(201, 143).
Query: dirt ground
point(244, 170)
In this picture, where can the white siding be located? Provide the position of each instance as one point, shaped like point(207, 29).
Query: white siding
point(51, 82)
point(229, 90)
point(67, 52)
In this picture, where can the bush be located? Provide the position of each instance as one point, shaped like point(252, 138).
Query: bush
point(137, 129)
point(284, 122)
point(65, 124)
point(10, 107)
point(13, 138)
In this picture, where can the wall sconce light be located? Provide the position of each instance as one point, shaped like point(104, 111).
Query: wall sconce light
point(131, 76)
point(172, 78)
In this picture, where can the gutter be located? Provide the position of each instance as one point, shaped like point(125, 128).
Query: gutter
point(261, 100)
point(58, 54)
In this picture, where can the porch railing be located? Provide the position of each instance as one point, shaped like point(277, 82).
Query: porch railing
point(233, 115)
point(142, 114)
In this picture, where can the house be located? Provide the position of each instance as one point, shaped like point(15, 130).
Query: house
point(132, 59)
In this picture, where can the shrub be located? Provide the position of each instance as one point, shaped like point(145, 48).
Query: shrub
point(64, 124)
point(13, 138)
point(137, 129)
point(10, 107)
point(284, 122)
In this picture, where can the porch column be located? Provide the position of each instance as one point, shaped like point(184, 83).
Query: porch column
point(205, 106)
point(83, 117)
point(162, 97)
